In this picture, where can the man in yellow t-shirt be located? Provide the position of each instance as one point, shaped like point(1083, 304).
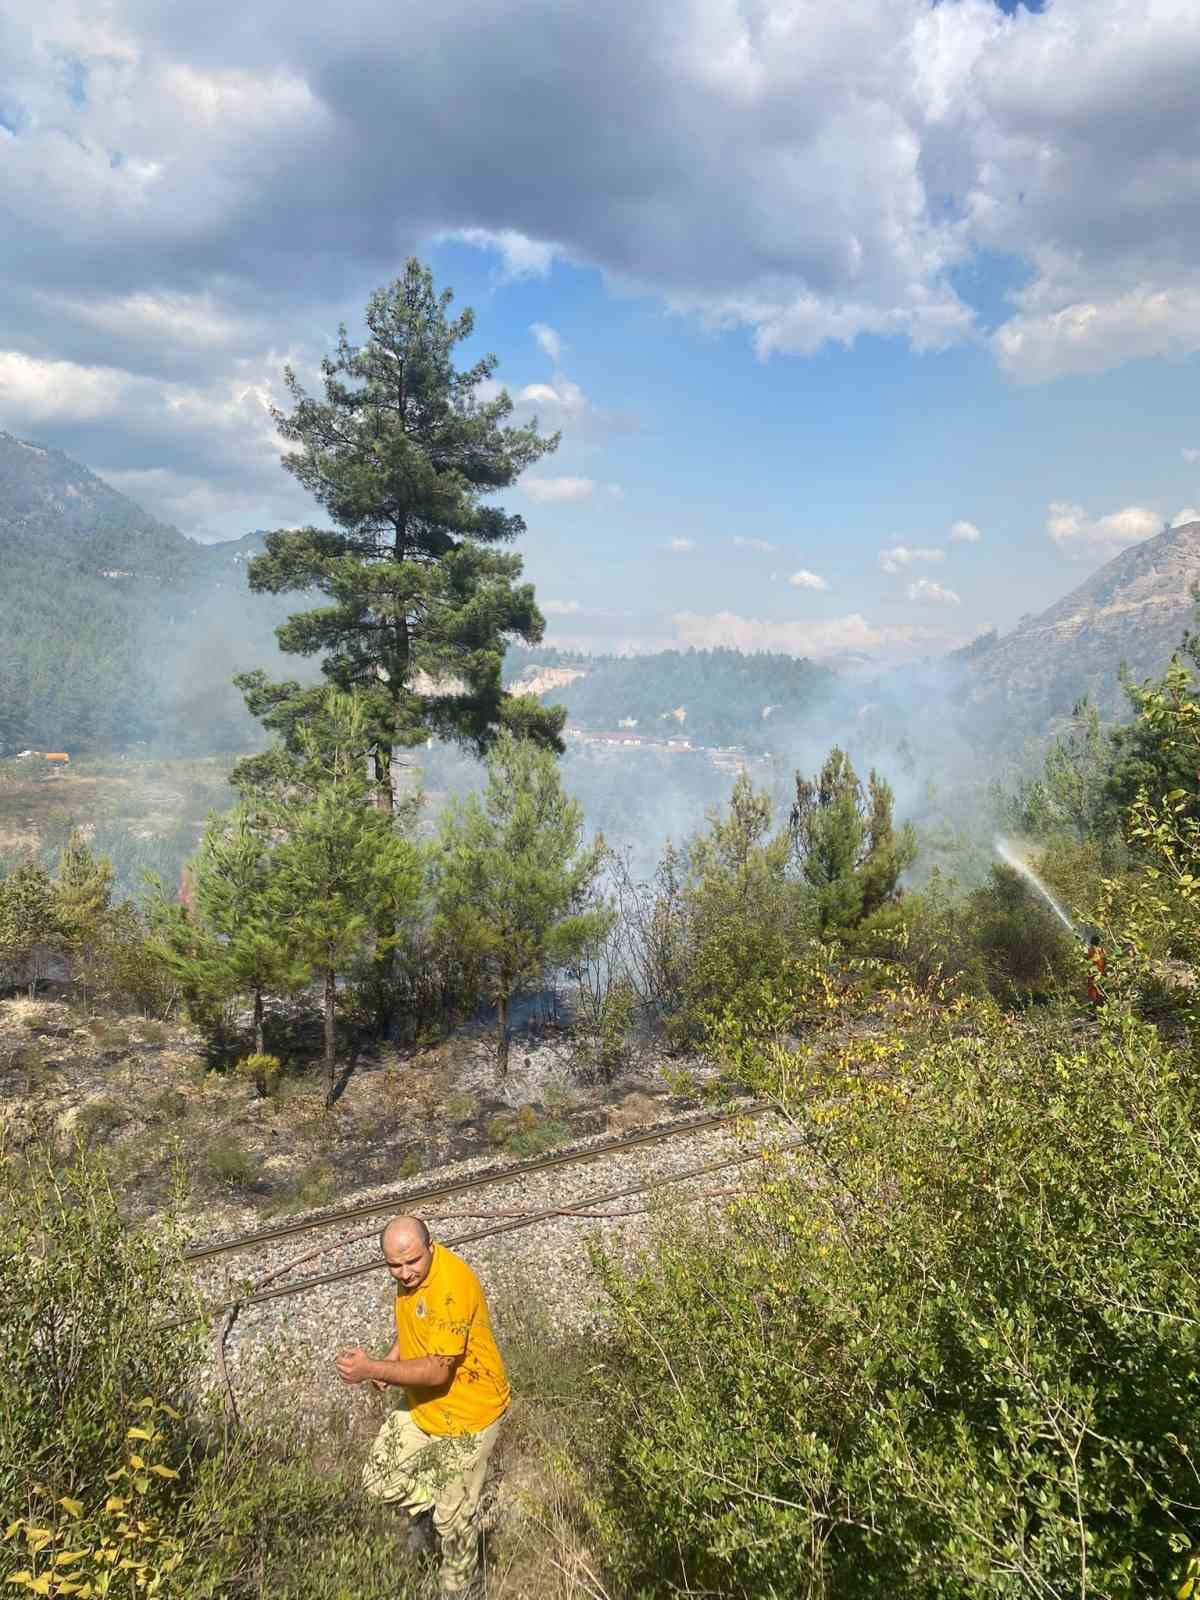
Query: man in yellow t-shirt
point(432, 1454)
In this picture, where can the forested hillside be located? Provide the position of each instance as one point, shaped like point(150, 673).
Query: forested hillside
point(713, 697)
point(114, 628)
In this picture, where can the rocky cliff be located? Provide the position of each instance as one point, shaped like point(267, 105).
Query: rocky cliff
point(1131, 613)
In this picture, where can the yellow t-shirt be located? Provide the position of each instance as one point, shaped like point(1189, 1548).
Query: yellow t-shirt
point(448, 1316)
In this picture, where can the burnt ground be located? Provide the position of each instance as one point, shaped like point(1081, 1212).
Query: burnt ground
point(145, 1096)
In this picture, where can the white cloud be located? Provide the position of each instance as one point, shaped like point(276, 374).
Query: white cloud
point(548, 340)
point(520, 256)
point(806, 174)
point(928, 593)
point(1072, 529)
point(963, 532)
point(615, 491)
point(762, 546)
point(833, 636)
point(559, 491)
point(1091, 336)
point(804, 579)
point(1182, 518)
point(564, 400)
point(34, 390)
point(901, 556)
point(1191, 455)
point(560, 608)
point(680, 546)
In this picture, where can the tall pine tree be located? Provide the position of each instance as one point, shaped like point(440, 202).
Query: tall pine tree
point(423, 596)
point(513, 877)
point(344, 882)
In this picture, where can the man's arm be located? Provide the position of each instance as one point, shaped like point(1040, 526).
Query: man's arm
point(421, 1372)
point(392, 1355)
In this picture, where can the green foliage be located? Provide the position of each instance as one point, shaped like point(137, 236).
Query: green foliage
point(75, 1284)
point(1147, 755)
point(607, 1032)
point(1159, 904)
point(1025, 951)
point(344, 880)
point(402, 453)
point(229, 1164)
point(848, 848)
point(225, 941)
point(727, 913)
point(1072, 797)
point(524, 1134)
point(263, 1071)
point(83, 889)
point(955, 1355)
point(513, 876)
point(30, 926)
point(724, 693)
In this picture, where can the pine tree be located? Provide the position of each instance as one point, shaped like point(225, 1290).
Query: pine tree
point(513, 874)
point(30, 925)
point(423, 598)
point(226, 942)
point(847, 845)
point(341, 870)
point(83, 888)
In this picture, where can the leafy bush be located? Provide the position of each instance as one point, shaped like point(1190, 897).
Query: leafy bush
point(75, 1284)
point(116, 1546)
point(956, 1355)
point(312, 1187)
point(606, 1034)
point(261, 1070)
point(229, 1164)
point(1026, 952)
point(523, 1133)
point(101, 1483)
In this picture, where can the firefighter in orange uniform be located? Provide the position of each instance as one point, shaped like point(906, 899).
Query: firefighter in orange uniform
point(1097, 965)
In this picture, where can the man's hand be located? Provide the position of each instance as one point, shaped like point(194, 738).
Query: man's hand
point(354, 1365)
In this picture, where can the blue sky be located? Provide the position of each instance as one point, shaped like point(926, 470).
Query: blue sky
point(865, 327)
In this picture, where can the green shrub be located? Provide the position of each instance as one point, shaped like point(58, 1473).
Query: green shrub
point(83, 1303)
point(957, 1355)
point(171, 1104)
point(263, 1071)
point(1026, 952)
point(99, 1120)
point(608, 1034)
point(147, 1497)
point(312, 1187)
point(229, 1164)
point(523, 1133)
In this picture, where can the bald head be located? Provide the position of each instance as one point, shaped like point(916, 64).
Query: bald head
point(408, 1251)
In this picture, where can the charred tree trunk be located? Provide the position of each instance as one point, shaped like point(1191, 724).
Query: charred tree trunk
point(384, 799)
point(502, 1036)
point(330, 1040)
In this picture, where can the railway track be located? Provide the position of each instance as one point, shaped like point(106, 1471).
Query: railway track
point(406, 1199)
point(509, 1197)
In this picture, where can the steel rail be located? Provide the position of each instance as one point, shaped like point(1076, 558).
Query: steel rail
point(342, 1274)
point(407, 1198)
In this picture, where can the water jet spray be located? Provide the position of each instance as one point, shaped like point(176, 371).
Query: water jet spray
point(1007, 852)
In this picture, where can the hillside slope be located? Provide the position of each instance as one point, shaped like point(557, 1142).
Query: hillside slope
point(1132, 612)
point(115, 628)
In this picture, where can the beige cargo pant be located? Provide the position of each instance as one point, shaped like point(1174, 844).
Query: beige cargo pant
point(428, 1472)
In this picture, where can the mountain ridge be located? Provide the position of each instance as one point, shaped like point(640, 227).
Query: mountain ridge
point(1131, 613)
